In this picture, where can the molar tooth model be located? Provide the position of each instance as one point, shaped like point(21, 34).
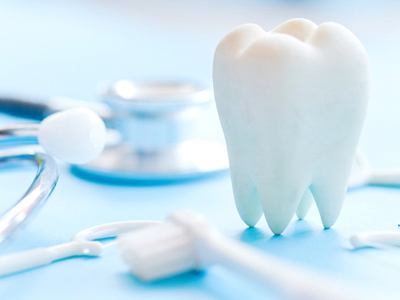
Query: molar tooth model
point(292, 103)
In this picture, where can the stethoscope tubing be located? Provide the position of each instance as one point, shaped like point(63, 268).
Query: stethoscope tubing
point(42, 185)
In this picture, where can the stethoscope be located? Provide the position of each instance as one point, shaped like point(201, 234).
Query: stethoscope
point(76, 136)
point(153, 131)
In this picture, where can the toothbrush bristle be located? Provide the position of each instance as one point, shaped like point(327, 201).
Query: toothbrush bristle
point(158, 251)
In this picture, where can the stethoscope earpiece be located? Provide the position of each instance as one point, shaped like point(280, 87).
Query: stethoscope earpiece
point(76, 135)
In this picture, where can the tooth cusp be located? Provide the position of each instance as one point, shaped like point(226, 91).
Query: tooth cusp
point(301, 29)
point(238, 40)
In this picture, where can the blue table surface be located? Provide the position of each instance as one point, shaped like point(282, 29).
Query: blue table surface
point(67, 48)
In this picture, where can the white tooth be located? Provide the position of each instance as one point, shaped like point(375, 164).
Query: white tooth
point(292, 103)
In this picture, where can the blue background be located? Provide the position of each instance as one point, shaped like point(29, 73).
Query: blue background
point(52, 48)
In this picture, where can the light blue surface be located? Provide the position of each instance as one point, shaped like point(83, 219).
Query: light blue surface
point(67, 49)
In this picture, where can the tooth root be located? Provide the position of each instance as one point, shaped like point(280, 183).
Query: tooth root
point(304, 205)
point(246, 198)
point(280, 200)
point(329, 191)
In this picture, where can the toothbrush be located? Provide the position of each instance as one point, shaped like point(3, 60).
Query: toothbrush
point(186, 242)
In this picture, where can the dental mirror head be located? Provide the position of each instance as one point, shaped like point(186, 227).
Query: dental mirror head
point(160, 128)
point(76, 135)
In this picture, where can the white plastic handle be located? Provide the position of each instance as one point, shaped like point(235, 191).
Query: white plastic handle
point(83, 244)
point(385, 177)
point(376, 239)
point(293, 281)
point(26, 260)
point(363, 173)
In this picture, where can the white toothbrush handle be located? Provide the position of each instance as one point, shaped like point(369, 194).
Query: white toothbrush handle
point(385, 176)
point(377, 238)
point(295, 282)
point(25, 260)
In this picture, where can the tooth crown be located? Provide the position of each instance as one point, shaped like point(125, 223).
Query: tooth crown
point(292, 103)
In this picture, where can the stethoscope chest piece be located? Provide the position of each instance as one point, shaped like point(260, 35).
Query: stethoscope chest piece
point(159, 126)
